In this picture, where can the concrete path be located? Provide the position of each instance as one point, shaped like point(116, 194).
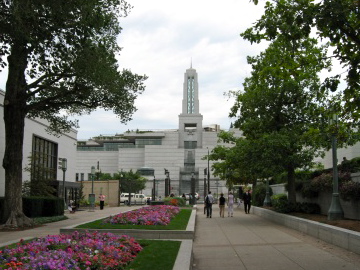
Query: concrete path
point(249, 242)
point(244, 241)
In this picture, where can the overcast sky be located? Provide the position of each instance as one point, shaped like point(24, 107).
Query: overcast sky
point(161, 38)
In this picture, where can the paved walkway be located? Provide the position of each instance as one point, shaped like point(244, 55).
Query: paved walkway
point(244, 241)
point(249, 242)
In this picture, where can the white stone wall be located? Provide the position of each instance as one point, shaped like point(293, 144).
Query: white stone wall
point(108, 162)
point(66, 146)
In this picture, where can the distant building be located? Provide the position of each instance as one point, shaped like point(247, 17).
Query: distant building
point(37, 142)
point(181, 152)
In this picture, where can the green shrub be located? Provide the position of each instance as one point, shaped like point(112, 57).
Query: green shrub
point(176, 201)
point(310, 208)
point(259, 193)
point(280, 203)
point(350, 190)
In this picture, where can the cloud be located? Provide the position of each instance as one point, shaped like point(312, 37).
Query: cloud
point(161, 39)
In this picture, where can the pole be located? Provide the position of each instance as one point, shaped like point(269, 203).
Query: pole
point(335, 211)
point(267, 200)
point(208, 171)
point(153, 195)
point(193, 199)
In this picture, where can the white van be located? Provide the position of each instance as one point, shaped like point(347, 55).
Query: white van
point(135, 198)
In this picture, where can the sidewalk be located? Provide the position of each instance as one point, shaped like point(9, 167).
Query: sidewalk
point(249, 242)
point(244, 241)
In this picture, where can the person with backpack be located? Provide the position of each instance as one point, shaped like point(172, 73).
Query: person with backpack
point(209, 200)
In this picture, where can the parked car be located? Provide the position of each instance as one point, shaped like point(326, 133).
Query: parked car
point(187, 195)
point(135, 198)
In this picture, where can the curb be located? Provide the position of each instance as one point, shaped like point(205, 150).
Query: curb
point(347, 239)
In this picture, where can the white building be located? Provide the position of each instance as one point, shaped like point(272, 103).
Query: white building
point(180, 151)
point(36, 141)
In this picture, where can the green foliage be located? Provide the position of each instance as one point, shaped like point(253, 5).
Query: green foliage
point(43, 206)
point(131, 182)
point(41, 177)
point(259, 193)
point(176, 201)
point(337, 21)
point(310, 208)
point(61, 61)
point(350, 190)
point(280, 203)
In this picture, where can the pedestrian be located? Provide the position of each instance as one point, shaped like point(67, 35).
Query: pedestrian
point(102, 201)
point(230, 203)
point(222, 201)
point(247, 201)
point(209, 200)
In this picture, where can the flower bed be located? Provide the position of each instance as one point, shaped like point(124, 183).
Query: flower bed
point(150, 215)
point(75, 251)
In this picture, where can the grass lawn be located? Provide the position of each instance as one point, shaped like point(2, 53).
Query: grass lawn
point(156, 254)
point(179, 222)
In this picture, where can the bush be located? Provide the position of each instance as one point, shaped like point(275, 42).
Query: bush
point(310, 208)
point(350, 190)
point(175, 201)
point(259, 193)
point(280, 203)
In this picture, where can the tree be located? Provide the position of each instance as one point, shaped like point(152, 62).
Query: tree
point(41, 177)
point(61, 59)
point(334, 20)
point(283, 102)
point(130, 182)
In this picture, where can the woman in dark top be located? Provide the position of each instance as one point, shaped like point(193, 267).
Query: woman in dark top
point(222, 201)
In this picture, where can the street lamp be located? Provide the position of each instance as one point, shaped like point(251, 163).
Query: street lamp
point(208, 169)
point(167, 183)
point(205, 177)
point(63, 166)
point(267, 201)
point(119, 189)
point(335, 211)
point(193, 199)
point(92, 195)
point(153, 193)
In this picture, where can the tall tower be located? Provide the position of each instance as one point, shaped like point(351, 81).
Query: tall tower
point(190, 131)
point(190, 120)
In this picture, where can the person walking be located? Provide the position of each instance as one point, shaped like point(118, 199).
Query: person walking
point(247, 201)
point(230, 204)
point(102, 201)
point(222, 201)
point(209, 200)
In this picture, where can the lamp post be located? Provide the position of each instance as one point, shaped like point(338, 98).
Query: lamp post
point(63, 167)
point(92, 195)
point(335, 211)
point(167, 184)
point(119, 189)
point(153, 193)
point(193, 189)
point(208, 170)
point(205, 176)
point(217, 189)
point(267, 201)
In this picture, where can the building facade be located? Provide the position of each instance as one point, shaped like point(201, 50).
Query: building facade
point(38, 143)
point(181, 152)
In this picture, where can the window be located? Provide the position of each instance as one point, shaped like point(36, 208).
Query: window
point(190, 144)
point(76, 177)
point(82, 177)
point(43, 159)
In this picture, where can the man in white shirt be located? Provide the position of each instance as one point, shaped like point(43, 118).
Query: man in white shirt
point(209, 200)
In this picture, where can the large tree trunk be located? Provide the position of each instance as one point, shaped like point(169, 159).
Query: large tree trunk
point(14, 118)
